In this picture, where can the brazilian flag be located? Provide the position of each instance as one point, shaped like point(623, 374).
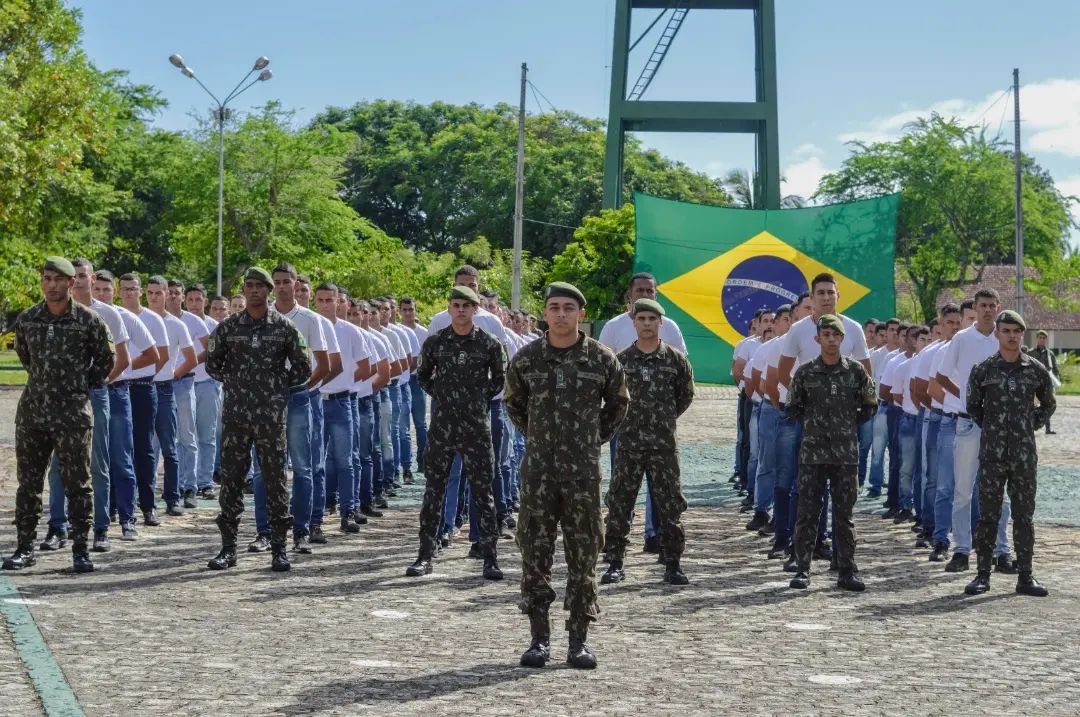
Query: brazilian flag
point(715, 266)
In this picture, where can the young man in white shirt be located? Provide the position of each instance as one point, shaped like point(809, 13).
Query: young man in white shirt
point(366, 392)
point(187, 438)
point(742, 409)
point(879, 357)
point(764, 325)
point(418, 401)
point(207, 395)
point(909, 428)
point(765, 427)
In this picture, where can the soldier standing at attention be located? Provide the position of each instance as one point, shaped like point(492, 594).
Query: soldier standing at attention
point(567, 395)
point(661, 383)
point(462, 368)
point(248, 353)
point(67, 352)
point(833, 395)
point(1001, 396)
point(1045, 356)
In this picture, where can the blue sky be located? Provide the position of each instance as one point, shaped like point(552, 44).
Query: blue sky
point(846, 69)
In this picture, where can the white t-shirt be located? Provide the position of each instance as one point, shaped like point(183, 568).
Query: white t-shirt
point(484, 319)
point(179, 339)
point(200, 370)
point(902, 374)
point(877, 362)
point(421, 333)
point(744, 350)
point(397, 351)
point(380, 351)
point(775, 349)
point(156, 326)
point(759, 362)
point(935, 368)
point(888, 375)
point(619, 334)
point(403, 335)
point(801, 345)
point(968, 348)
point(197, 329)
point(139, 340)
point(307, 323)
point(353, 348)
point(921, 367)
point(112, 319)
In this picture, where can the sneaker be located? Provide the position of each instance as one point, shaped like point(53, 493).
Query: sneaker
point(904, 516)
point(190, 501)
point(150, 517)
point(54, 540)
point(759, 520)
point(101, 541)
point(358, 517)
point(922, 542)
point(370, 510)
point(766, 530)
point(941, 551)
point(317, 536)
point(348, 525)
point(302, 545)
point(260, 545)
point(380, 502)
point(174, 509)
point(958, 564)
point(208, 493)
point(128, 532)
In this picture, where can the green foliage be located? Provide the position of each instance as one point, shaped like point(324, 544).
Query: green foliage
point(600, 260)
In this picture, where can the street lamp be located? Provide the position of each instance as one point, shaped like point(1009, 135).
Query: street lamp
point(260, 64)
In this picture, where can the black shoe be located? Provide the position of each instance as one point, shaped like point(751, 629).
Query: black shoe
point(941, 551)
point(766, 530)
point(208, 493)
point(1026, 584)
point(872, 493)
point(81, 563)
point(916, 528)
point(174, 509)
point(190, 501)
point(890, 514)
point(380, 502)
point(673, 574)
point(128, 532)
point(390, 493)
point(407, 477)
point(1050, 433)
point(317, 536)
point(101, 541)
point(979, 585)
point(358, 517)
point(444, 540)
point(538, 654)
point(422, 566)
point(150, 517)
point(369, 510)
point(225, 559)
point(760, 519)
point(302, 545)
point(331, 507)
point(54, 540)
point(1003, 565)
point(579, 655)
point(260, 545)
point(777, 553)
point(491, 569)
point(922, 542)
point(280, 562)
point(474, 551)
point(747, 505)
point(652, 544)
point(23, 557)
point(958, 564)
point(801, 581)
point(613, 574)
point(510, 522)
point(348, 525)
point(822, 551)
point(850, 581)
point(249, 489)
point(790, 566)
point(904, 516)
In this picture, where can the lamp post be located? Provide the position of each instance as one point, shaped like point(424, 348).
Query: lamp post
point(264, 75)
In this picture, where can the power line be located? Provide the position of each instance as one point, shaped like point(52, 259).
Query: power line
point(537, 90)
point(1001, 122)
point(567, 226)
point(992, 104)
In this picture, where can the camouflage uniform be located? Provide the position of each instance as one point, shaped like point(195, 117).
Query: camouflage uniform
point(661, 385)
point(461, 374)
point(566, 402)
point(1001, 401)
point(65, 356)
point(259, 362)
point(832, 401)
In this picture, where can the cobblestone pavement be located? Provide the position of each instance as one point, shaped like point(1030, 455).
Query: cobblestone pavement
point(154, 632)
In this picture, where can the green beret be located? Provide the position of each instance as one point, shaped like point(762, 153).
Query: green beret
point(649, 305)
point(1042, 332)
point(259, 274)
point(58, 264)
point(829, 321)
point(564, 289)
point(464, 292)
point(1008, 316)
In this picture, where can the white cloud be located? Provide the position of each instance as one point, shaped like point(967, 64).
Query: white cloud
point(1070, 186)
point(802, 177)
point(808, 150)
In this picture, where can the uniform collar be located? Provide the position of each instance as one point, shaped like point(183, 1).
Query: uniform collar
point(248, 320)
point(659, 353)
point(580, 349)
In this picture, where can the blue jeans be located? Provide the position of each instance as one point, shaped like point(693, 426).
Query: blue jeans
point(943, 477)
point(453, 487)
point(298, 443)
point(740, 434)
point(143, 420)
point(880, 428)
point(395, 427)
point(418, 401)
point(404, 443)
point(892, 418)
point(786, 470)
point(318, 456)
point(99, 469)
point(765, 488)
point(908, 457)
point(121, 450)
point(386, 437)
point(920, 466)
point(187, 441)
point(519, 457)
point(365, 432)
point(207, 411)
point(338, 428)
point(965, 508)
point(932, 425)
point(866, 442)
point(752, 464)
point(165, 440)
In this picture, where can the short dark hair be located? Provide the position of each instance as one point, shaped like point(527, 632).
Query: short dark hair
point(157, 279)
point(802, 297)
point(407, 300)
point(922, 331)
point(327, 286)
point(219, 297)
point(822, 278)
point(488, 294)
point(104, 275)
point(783, 309)
point(933, 323)
point(987, 292)
point(196, 287)
point(903, 327)
point(880, 328)
point(81, 261)
point(130, 277)
point(641, 275)
point(870, 322)
point(947, 309)
point(967, 304)
point(237, 296)
point(284, 268)
point(174, 282)
point(892, 321)
point(915, 328)
point(303, 279)
point(467, 270)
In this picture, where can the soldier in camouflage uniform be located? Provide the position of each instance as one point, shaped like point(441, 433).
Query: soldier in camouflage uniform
point(833, 396)
point(1001, 400)
point(661, 384)
point(261, 358)
point(66, 350)
point(1042, 353)
point(567, 394)
point(462, 368)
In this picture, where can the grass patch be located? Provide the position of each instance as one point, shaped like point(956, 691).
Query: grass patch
point(9, 360)
point(12, 377)
point(1070, 379)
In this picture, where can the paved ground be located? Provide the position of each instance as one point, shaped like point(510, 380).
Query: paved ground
point(153, 632)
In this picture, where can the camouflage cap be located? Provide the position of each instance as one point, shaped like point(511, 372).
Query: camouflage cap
point(58, 264)
point(564, 289)
point(1008, 316)
point(649, 305)
point(259, 274)
point(464, 292)
point(829, 321)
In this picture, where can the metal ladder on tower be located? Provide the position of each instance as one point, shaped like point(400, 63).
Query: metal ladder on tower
point(663, 44)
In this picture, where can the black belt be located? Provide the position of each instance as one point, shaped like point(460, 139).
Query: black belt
point(297, 389)
point(186, 375)
point(780, 405)
point(937, 411)
point(957, 415)
point(134, 381)
point(335, 396)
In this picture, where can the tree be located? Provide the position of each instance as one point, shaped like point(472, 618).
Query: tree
point(600, 260)
point(956, 203)
point(744, 192)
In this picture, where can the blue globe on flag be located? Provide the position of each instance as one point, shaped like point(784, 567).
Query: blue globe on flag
point(757, 282)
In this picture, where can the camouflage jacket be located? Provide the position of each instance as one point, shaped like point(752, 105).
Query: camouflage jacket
point(1001, 400)
point(461, 374)
point(65, 356)
point(258, 361)
point(1046, 357)
point(661, 387)
point(831, 400)
point(567, 402)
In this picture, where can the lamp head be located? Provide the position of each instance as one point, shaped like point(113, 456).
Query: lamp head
point(176, 60)
point(265, 75)
point(262, 62)
point(187, 72)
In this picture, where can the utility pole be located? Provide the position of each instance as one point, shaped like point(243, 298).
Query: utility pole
point(1019, 195)
point(519, 195)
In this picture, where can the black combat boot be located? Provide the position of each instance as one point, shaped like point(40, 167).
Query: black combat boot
point(1026, 584)
point(407, 478)
point(759, 520)
point(673, 574)
point(422, 566)
point(849, 580)
point(1002, 564)
point(370, 510)
point(23, 557)
point(54, 539)
point(979, 585)
point(790, 564)
point(80, 560)
point(579, 655)
point(279, 562)
point(318, 537)
point(941, 551)
point(652, 544)
point(539, 651)
point(492, 571)
point(348, 525)
point(226, 558)
point(958, 564)
point(614, 573)
point(801, 581)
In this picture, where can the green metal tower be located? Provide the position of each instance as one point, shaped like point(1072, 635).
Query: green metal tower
point(629, 113)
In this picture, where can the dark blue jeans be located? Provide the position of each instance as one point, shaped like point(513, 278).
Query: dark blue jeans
point(318, 455)
point(404, 442)
point(121, 450)
point(892, 418)
point(866, 442)
point(419, 418)
point(338, 428)
point(931, 423)
point(786, 467)
point(143, 419)
point(165, 427)
point(364, 419)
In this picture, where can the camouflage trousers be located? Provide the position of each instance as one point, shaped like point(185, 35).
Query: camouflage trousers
point(843, 483)
point(1018, 478)
point(477, 464)
point(545, 504)
point(268, 437)
point(33, 451)
point(663, 470)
